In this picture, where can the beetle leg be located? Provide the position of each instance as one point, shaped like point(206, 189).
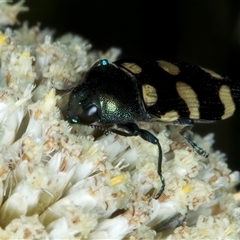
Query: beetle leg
point(189, 125)
point(133, 130)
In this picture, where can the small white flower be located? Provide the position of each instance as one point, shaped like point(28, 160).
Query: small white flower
point(12, 111)
point(24, 228)
point(74, 221)
point(8, 13)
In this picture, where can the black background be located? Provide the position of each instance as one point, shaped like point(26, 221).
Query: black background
point(203, 32)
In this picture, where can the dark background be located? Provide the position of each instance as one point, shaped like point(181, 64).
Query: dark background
point(202, 32)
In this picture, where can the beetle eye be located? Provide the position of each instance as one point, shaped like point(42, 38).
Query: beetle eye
point(89, 115)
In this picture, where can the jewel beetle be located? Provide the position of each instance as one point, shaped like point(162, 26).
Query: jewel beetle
point(127, 91)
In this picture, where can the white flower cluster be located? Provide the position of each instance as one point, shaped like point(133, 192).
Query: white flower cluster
point(57, 182)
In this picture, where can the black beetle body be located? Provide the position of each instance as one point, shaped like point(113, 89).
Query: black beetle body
point(102, 88)
point(128, 91)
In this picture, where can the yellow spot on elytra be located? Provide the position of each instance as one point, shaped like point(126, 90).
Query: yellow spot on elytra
point(212, 73)
point(190, 98)
point(116, 180)
point(186, 188)
point(169, 67)
point(132, 67)
point(169, 116)
point(150, 96)
point(227, 101)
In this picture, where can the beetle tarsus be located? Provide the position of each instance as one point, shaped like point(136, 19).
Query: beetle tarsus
point(159, 193)
point(195, 147)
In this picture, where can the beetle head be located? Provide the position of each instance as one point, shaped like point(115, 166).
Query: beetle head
point(108, 95)
point(82, 107)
